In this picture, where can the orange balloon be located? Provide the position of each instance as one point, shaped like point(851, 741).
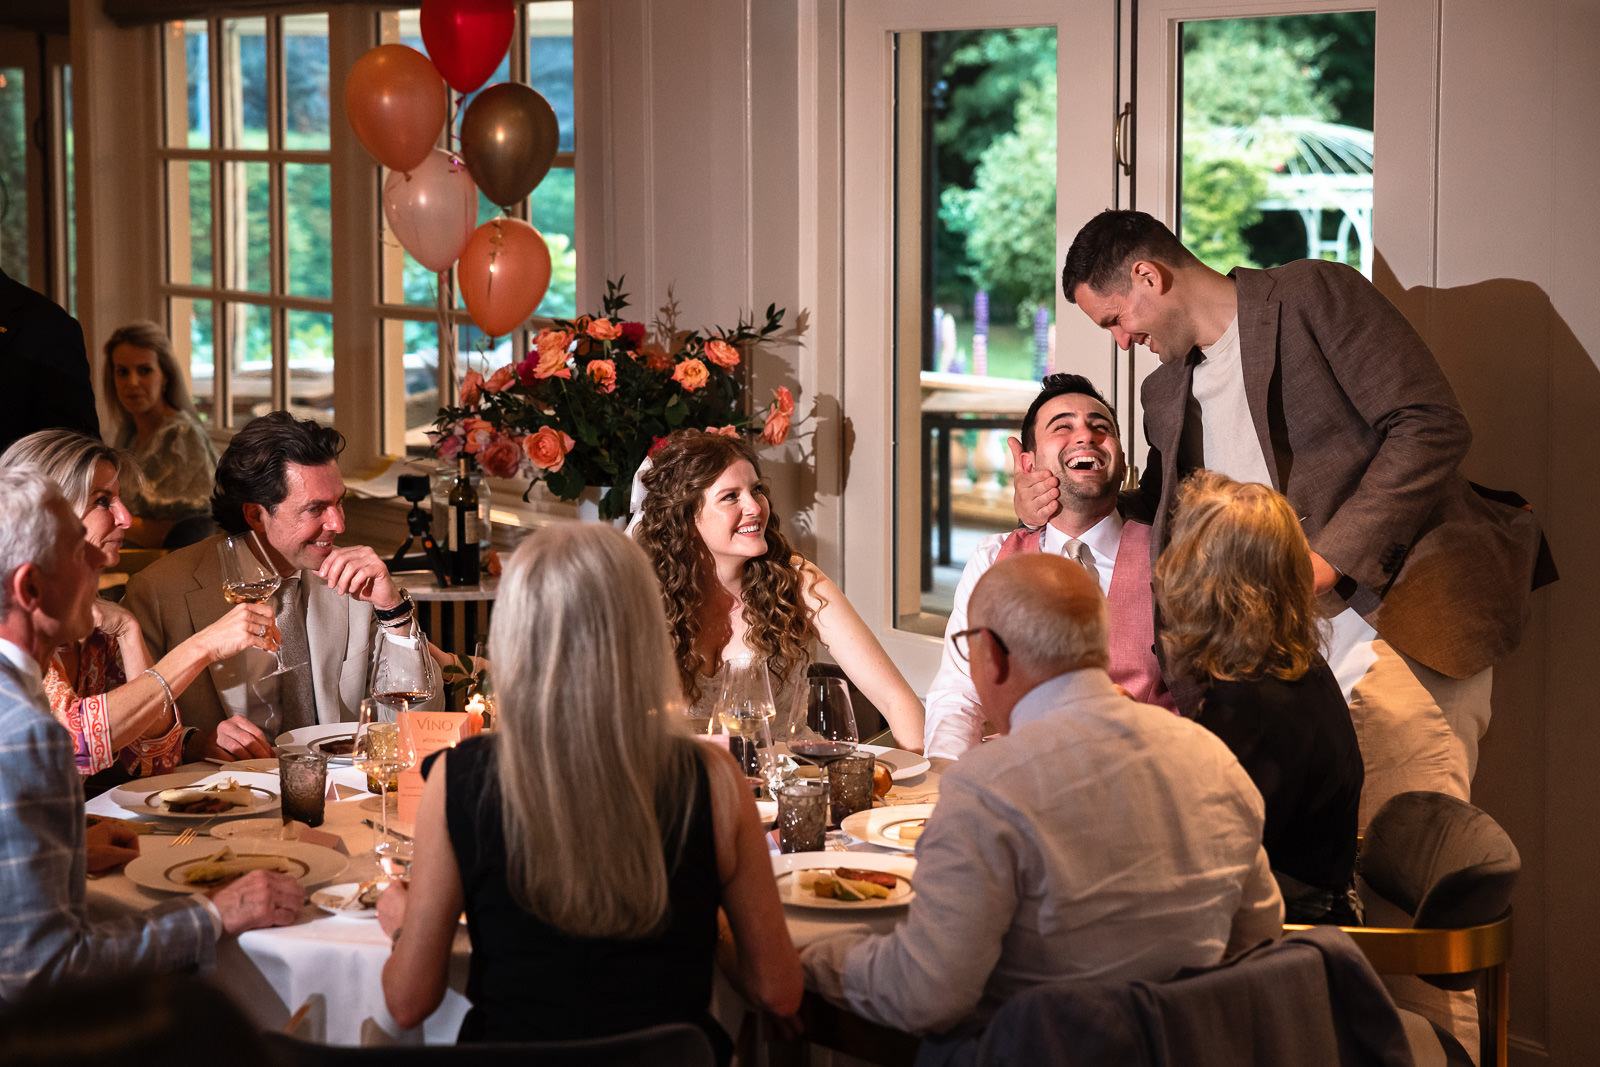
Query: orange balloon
point(396, 102)
point(504, 273)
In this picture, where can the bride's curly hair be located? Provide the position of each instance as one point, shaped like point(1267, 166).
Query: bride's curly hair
point(779, 625)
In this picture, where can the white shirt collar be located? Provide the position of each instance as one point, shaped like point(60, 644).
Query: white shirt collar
point(1103, 539)
point(1059, 694)
point(21, 660)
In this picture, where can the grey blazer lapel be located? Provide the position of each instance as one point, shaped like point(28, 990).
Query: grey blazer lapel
point(1258, 359)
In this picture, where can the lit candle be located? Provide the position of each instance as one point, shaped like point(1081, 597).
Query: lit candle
point(475, 708)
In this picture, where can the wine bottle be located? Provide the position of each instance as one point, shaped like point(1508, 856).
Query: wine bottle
point(463, 533)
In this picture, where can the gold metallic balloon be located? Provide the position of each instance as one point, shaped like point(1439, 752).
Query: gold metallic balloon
point(509, 137)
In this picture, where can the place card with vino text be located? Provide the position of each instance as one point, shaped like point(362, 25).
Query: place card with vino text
point(430, 731)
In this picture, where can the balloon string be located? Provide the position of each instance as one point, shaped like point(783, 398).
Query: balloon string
point(447, 340)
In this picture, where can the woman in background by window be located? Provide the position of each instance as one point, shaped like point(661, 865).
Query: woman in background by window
point(156, 421)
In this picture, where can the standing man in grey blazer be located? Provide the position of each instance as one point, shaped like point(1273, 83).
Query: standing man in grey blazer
point(1427, 581)
point(280, 478)
point(47, 587)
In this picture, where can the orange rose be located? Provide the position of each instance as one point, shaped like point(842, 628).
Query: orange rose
point(655, 357)
point(471, 389)
point(776, 428)
point(783, 401)
point(725, 431)
point(691, 374)
point(548, 448)
point(604, 330)
point(722, 353)
point(604, 373)
point(500, 379)
point(479, 433)
point(552, 346)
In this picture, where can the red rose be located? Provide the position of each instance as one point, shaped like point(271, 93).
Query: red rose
point(632, 334)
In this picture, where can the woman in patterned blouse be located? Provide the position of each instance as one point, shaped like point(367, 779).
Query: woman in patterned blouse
point(117, 704)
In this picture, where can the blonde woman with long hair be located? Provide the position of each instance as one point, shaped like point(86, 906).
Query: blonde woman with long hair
point(1238, 614)
point(590, 839)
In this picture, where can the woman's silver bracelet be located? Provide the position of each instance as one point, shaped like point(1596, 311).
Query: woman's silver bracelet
point(165, 688)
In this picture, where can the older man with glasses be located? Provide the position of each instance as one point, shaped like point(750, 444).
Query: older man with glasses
point(1099, 838)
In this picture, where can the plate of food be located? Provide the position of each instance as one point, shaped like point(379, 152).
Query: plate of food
point(327, 735)
point(896, 827)
point(844, 881)
point(902, 764)
point(339, 748)
point(182, 796)
point(349, 900)
point(205, 865)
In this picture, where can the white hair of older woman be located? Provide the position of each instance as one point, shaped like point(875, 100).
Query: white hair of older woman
point(32, 530)
point(588, 753)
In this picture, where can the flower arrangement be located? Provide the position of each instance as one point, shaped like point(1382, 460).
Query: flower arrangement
point(596, 394)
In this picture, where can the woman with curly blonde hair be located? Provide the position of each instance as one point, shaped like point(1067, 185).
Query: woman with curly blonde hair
point(1237, 608)
point(734, 589)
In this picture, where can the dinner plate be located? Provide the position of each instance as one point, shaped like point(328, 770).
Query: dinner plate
point(785, 868)
point(307, 734)
point(161, 867)
point(143, 795)
point(901, 764)
point(881, 826)
point(343, 742)
point(331, 899)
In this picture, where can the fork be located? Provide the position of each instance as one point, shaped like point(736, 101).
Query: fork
point(190, 833)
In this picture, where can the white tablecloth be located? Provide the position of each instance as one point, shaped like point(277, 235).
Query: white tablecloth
point(336, 963)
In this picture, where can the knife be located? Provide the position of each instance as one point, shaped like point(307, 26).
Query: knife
point(392, 831)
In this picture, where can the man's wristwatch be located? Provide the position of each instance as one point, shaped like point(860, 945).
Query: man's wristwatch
point(400, 613)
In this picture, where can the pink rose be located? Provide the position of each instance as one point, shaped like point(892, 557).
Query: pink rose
point(783, 401)
point(725, 431)
point(548, 448)
point(604, 373)
point(776, 428)
point(501, 457)
point(471, 389)
point(603, 330)
point(691, 374)
point(500, 379)
point(632, 334)
point(722, 353)
point(447, 446)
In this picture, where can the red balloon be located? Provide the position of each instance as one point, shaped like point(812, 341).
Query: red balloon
point(396, 105)
point(504, 272)
point(467, 39)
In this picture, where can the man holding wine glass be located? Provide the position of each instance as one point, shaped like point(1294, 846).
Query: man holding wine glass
point(278, 488)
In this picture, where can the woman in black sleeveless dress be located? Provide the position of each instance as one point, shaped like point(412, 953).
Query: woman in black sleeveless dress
point(590, 840)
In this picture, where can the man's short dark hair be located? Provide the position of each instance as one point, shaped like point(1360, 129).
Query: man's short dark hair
point(1052, 386)
point(254, 468)
point(1109, 243)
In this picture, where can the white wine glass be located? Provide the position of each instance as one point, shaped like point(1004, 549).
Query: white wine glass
point(745, 709)
point(384, 747)
point(247, 578)
point(822, 726)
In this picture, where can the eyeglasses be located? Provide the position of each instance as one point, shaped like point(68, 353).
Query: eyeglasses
point(962, 638)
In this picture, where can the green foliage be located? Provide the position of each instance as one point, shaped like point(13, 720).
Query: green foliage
point(1010, 214)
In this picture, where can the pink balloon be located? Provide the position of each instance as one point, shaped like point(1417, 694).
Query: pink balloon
point(433, 210)
point(504, 272)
